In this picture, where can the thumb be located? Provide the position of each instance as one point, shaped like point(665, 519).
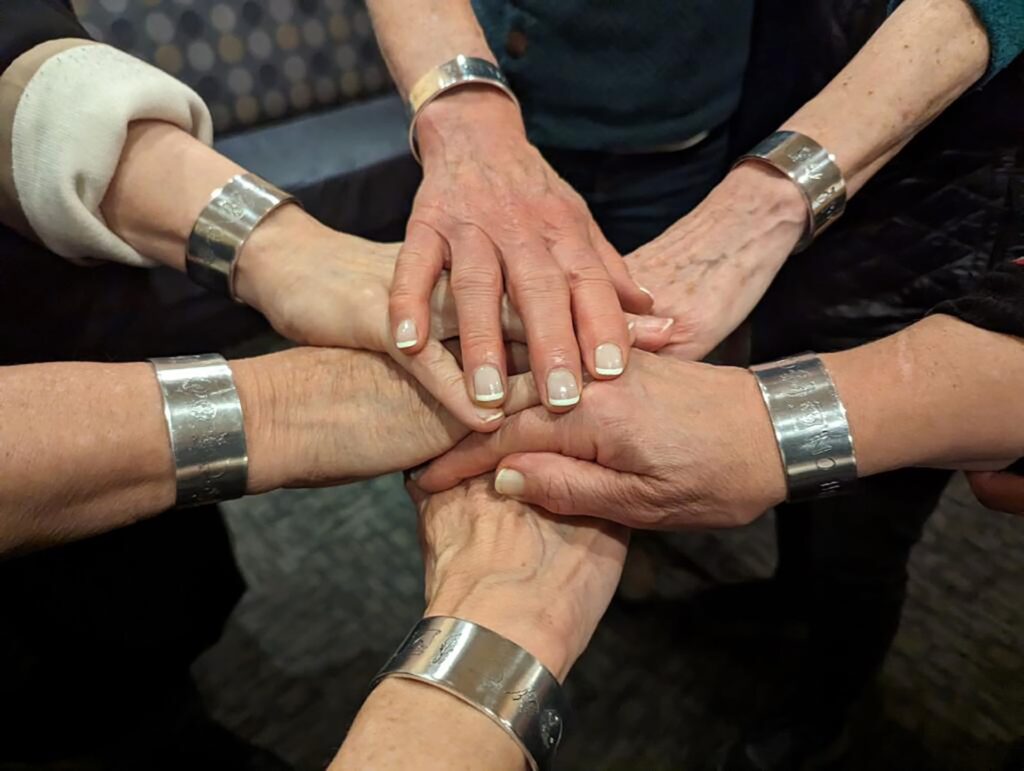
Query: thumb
point(998, 491)
point(565, 485)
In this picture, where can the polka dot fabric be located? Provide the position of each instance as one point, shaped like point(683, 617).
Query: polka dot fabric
point(252, 61)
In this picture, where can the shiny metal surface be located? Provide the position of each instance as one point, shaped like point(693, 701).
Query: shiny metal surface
point(810, 426)
point(490, 673)
point(223, 227)
point(460, 71)
point(205, 422)
point(813, 169)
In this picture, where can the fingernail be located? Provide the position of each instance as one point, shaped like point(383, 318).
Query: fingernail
point(509, 482)
point(631, 325)
point(417, 472)
point(646, 291)
point(487, 384)
point(653, 324)
point(405, 334)
point(563, 390)
point(608, 360)
point(489, 416)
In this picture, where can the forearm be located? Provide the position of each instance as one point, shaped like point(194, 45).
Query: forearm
point(940, 393)
point(84, 447)
point(918, 62)
point(405, 724)
point(416, 37)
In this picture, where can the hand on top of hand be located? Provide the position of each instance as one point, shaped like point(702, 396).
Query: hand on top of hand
point(670, 444)
point(712, 267)
point(320, 287)
point(537, 579)
point(494, 210)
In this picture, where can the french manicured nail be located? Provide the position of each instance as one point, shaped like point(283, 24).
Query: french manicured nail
point(646, 291)
point(653, 324)
point(509, 482)
point(489, 416)
point(563, 390)
point(487, 384)
point(405, 334)
point(608, 360)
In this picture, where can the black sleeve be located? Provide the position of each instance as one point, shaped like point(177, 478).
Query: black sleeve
point(24, 24)
point(997, 304)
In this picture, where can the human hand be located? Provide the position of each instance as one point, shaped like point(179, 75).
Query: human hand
point(494, 210)
point(539, 580)
point(670, 444)
point(713, 266)
point(325, 416)
point(1000, 490)
point(320, 287)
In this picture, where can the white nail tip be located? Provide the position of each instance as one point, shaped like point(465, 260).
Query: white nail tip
point(609, 372)
point(405, 344)
point(564, 402)
point(491, 397)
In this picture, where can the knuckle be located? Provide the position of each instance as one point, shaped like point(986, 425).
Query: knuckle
point(475, 278)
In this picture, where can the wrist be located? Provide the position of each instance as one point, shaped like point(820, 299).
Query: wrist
point(518, 618)
point(259, 386)
point(771, 205)
point(468, 115)
point(269, 254)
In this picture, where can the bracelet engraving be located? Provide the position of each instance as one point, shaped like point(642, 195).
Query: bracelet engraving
point(206, 428)
point(810, 426)
point(491, 674)
point(813, 170)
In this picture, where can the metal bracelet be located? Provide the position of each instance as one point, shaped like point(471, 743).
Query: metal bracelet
point(223, 227)
point(205, 423)
point(460, 71)
point(810, 425)
point(491, 674)
point(813, 170)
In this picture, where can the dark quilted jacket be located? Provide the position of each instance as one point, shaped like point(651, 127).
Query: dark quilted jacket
point(924, 230)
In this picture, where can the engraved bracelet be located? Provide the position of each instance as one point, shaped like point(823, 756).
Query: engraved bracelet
point(813, 170)
point(460, 71)
point(204, 420)
point(492, 675)
point(224, 226)
point(810, 426)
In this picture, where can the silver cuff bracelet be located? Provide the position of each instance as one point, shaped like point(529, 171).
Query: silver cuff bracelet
point(460, 71)
point(223, 227)
point(204, 420)
point(810, 426)
point(491, 674)
point(813, 169)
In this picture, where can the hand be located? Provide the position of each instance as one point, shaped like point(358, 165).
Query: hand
point(713, 266)
point(670, 444)
point(320, 287)
point(541, 581)
point(999, 490)
point(491, 206)
point(325, 416)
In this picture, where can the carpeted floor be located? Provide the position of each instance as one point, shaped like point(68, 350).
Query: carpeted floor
point(335, 583)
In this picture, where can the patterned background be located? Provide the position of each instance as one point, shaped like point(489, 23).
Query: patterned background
point(253, 61)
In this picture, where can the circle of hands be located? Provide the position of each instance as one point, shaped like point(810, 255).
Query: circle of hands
point(525, 492)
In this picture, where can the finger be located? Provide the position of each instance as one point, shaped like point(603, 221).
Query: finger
point(444, 320)
point(649, 333)
point(600, 322)
point(438, 372)
point(417, 268)
point(477, 287)
point(633, 297)
point(522, 394)
point(540, 293)
point(999, 491)
point(529, 431)
point(569, 486)
point(416, 493)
